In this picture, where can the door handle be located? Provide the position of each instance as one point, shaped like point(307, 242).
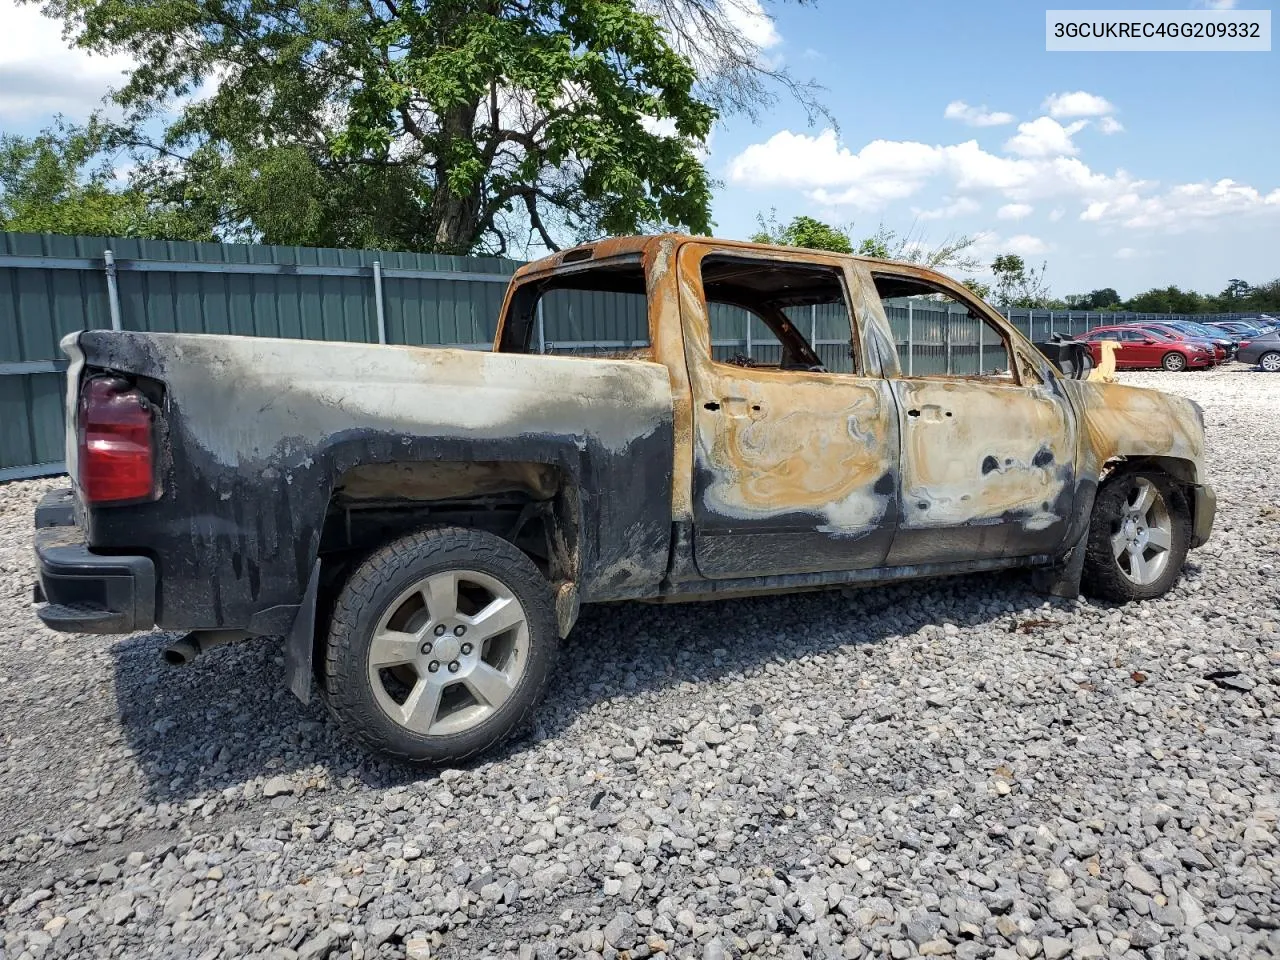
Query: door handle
point(737, 407)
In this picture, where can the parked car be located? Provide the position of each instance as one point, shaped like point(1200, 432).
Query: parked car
point(1264, 351)
point(1241, 329)
point(1223, 349)
point(1197, 331)
point(422, 525)
point(1144, 349)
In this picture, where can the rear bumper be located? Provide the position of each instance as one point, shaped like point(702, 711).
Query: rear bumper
point(1204, 506)
point(83, 592)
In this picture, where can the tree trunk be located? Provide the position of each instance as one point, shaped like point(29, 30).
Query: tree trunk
point(454, 214)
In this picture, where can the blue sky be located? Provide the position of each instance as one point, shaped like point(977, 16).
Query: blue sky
point(1142, 205)
point(1127, 170)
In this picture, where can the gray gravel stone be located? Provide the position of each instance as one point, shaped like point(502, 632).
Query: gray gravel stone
point(955, 768)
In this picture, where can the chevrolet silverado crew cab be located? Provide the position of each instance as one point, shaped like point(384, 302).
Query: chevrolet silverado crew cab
point(421, 525)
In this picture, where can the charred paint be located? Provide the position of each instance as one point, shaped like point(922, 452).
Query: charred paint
point(775, 479)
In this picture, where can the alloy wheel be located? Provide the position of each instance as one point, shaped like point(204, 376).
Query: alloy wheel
point(1143, 535)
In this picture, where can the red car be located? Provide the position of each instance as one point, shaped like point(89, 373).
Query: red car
point(1149, 348)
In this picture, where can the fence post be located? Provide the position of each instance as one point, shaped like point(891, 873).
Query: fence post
point(542, 330)
point(113, 292)
point(1050, 324)
point(748, 334)
point(813, 326)
point(981, 324)
point(946, 336)
point(911, 342)
point(377, 301)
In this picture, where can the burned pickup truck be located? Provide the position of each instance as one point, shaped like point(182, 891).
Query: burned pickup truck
point(421, 525)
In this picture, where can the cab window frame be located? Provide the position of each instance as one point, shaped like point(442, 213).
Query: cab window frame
point(791, 328)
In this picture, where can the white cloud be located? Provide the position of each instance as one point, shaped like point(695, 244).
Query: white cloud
point(1215, 4)
point(1109, 125)
point(1045, 137)
point(1127, 253)
point(1025, 245)
point(1184, 207)
point(40, 75)
point(1077, 104)
point(751, 20)
point(1014, 211)
point(1056, 214)
point(956, 208)
point(976, 116)
point(887, 170)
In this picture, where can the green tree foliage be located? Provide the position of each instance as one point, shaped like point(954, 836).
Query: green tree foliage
point(1017, 285)
point(446, 125)
point(1170, 299)
point(802, 231)
point(884, 244)
point(62, 181)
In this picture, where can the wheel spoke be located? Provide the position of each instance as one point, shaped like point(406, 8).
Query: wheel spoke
point(390, 648)
point(1138, 569)
point(497, 617)
point(488, 683)
point(1118, 545)
point(1159, 538)
point(420, 709)
point(1146, 497)
point(441, 595)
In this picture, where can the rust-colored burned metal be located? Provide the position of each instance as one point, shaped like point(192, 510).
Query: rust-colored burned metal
point(954, 451)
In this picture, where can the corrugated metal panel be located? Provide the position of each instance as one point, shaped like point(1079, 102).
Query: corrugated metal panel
point(41, 302)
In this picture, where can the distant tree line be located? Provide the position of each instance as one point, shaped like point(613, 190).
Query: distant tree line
point(1014, 283)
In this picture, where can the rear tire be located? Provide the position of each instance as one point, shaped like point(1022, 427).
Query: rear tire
point(1174, 362)
point(1139, 535)
point(440, 646)
point(1270, 361)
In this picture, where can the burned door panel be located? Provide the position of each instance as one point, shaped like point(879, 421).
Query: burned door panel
point(988, 470)
point(795, 471)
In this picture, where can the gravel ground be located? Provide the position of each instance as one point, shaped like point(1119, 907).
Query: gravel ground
point(953, 768)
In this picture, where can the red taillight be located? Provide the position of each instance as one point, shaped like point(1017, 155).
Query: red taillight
point(116, 458)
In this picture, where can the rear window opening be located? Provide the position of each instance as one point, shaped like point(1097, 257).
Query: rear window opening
point(600, 310)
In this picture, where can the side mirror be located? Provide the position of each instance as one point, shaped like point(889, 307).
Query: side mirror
point(1147, 341)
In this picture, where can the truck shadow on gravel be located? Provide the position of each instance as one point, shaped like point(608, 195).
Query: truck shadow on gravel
point(226, 718)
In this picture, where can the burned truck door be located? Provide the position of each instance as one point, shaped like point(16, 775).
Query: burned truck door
point(794, 460)
point(988, 439)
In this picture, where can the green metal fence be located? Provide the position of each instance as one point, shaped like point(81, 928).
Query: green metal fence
point(53, 285)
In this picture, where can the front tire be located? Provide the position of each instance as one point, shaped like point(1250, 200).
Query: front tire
point(1139, 535)
point(1270, 361)
point(1174, 362)
point(440, 646)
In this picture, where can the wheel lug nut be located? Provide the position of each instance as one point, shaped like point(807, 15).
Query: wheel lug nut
point(466, 648)
point(453, 666)
point(440, 628)
point(433, 666)
point(426, 648)
point(459, 630)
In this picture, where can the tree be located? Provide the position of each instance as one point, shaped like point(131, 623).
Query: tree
point(977, 286)
point(1104, 299)
point(884, 244)
point(1017, 286)
point(1169, 299)
point(62, 181)
point(802, 231)
point(449, 125)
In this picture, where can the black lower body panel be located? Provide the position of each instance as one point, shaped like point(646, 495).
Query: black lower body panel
point(84, 592)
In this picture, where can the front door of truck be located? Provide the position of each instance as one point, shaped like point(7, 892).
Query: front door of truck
point(795, 444)
point(988, 436)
